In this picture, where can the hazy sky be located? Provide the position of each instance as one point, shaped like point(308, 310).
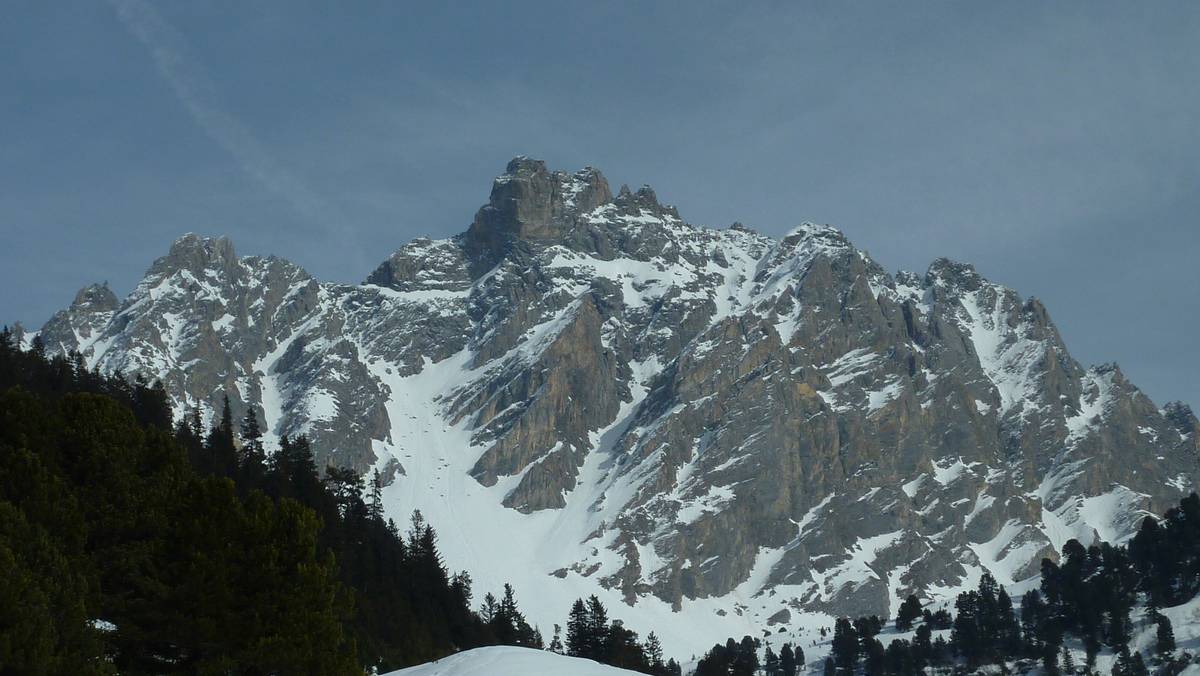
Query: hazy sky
point(1054, 145)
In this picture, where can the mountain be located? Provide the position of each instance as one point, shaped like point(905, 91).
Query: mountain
point(509, 661)
point(727, 432)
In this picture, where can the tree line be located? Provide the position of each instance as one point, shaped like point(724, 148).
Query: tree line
point(133, 543)
point(1089, 595)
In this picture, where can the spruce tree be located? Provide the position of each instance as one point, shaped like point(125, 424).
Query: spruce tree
point(1032, 611)
point(788, 662)
point(770, 662)
point(460, 588)
point(1008, 630)
point(1123, 666)
point(346, 487)
point(38, 347)
point(221, 452)
point(874, 662)
point(745, 661)
point(579, 639)
point(375, 502)
point(1050, 661)
point(898, 657)
point(845, 646)
point(1068, 662)
point(489, 608)
point(922, 645)
point(909, 611)
point(252, 460)
point(1137, 666)
point(197, 425)
point(1165, 644)
point(597, 629)
point(654, 652)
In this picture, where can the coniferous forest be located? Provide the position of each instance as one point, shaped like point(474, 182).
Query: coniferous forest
point(1088, 600)
point(133, 543)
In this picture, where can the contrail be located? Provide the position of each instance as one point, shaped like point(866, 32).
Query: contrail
point(196, 91)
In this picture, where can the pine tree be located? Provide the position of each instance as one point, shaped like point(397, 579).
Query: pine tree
point(909, 611)
point(770, 663)
point(1068, 662)
point(1008, 630)
point(1050, 661)
point(197, 425)
point(845, 646)
point(252, 460)
point(221, 452)
point(294, 472)
point(1165, 645)
point(346, 487)
point(460, 588)
point(621, 648)
point(556, 644)
point(489, 608)
point(718, 661)
point(1123, 665)
point(597, 630)
point(745, 661)
point(874, 662)
point(38, 347)
point(375, 503)
point(967, 635)
point(1137, 666)
point(1032, 612)
point(510, 626)
point(251, 433)
point(788, 664)
point(654, 652)
point(579, 639)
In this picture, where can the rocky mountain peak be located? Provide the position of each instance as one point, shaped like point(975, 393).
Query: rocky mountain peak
point(75, 327)
point(644, 201)
point(824, 235)
point(530, 203)
point(607, 400)
point(944, 272)
point(909, 279)
point(196, 254)
point(1183, 419)
point(522, 165)
point(95, 298)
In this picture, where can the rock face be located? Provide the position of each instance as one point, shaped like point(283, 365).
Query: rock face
point(704, 420)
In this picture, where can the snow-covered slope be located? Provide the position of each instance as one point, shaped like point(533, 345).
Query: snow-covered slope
point(508, 661)
point(717, 432)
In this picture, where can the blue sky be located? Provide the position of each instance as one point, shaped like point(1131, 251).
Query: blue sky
point(1054, 145)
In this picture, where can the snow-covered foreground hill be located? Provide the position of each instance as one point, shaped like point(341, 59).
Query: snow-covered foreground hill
point(508, 661)
point(511, 661)
point(717, 432)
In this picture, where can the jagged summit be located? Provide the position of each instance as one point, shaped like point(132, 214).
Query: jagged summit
point(195, 253)
point(586, 395)
point(95, 298)
point(947, 272)
point(528, 202)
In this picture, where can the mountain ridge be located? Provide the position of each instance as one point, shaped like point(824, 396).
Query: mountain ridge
point(684, 419)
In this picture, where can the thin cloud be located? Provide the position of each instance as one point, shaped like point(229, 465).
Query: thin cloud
point(191, 84)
